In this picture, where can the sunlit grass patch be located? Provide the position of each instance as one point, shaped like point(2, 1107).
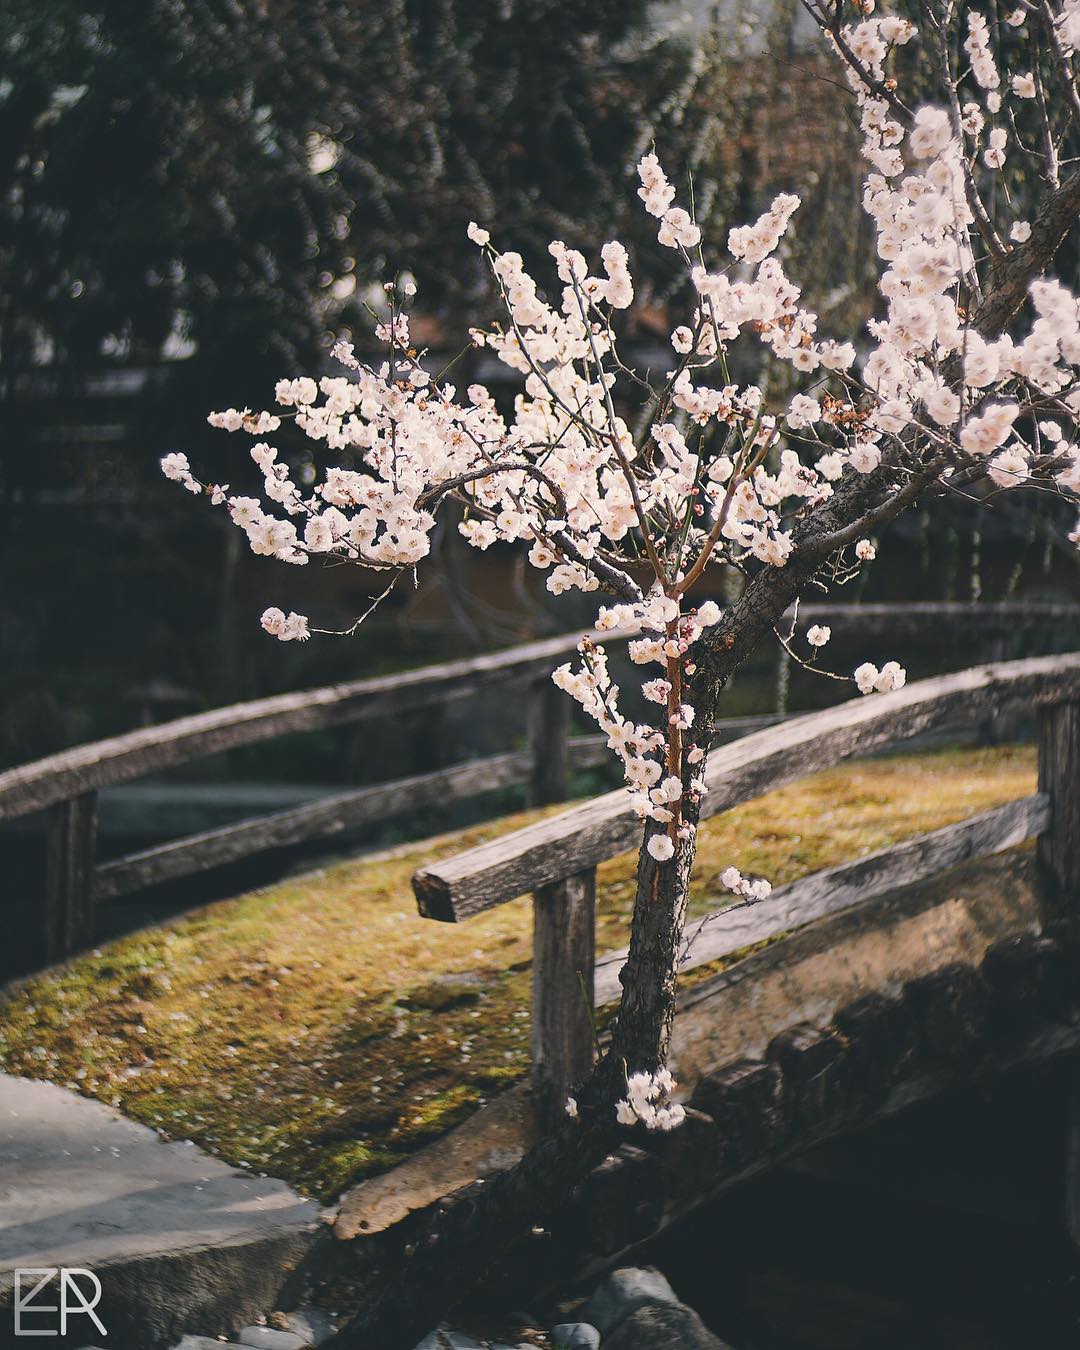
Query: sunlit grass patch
point(320, 1030)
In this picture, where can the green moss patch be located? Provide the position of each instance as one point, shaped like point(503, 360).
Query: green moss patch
point(319, 1030)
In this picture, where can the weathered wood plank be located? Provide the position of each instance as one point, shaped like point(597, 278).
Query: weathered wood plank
point(1059, 776)
point(836, 888)
point(30, 787)
point(962, 622)
point(331, 815)
point(591, 832)
point(564, 955)
point(549, 732)
point(69, 866)
point(328, 816)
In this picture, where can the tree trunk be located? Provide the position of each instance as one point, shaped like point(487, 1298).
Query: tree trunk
point(463, 1242)
point(649, 978)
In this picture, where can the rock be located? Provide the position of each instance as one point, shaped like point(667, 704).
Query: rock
point(313, 1325)
point(443, 1338)
point(663, 1326)
point(266, 1338)
point(202, 1343)
point(575, 1336)
point(621, 1293)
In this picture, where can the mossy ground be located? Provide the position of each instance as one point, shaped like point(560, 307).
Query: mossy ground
point(319, 1030)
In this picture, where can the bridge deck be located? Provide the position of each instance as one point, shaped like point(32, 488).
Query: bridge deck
point(734, 1016)
point(320, 1030)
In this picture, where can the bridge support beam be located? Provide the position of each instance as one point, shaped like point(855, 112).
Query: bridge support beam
point(69, 876)
point(549, 743)
point(1059, 777)
point(564, 959)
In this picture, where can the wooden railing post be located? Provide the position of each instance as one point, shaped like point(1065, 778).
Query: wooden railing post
point(1059, 777)
point(564, 959)
point(69, 876)
point(549, 735)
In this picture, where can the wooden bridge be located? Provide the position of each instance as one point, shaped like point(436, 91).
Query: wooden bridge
point(847, 997)
point(929, 968)
point(65, 785)
point(556, 859)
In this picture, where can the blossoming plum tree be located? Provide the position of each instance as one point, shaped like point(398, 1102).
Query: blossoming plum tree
point(965, 382)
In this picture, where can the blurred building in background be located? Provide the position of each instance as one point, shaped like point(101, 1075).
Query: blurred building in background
point(197, 196)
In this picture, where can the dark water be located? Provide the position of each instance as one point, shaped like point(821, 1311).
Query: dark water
point(943, 1229)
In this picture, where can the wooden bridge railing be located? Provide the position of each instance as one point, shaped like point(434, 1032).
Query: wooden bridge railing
point(66, 785)
point(556, 859)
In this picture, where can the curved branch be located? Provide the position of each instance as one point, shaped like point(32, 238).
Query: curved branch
point(1011, 277)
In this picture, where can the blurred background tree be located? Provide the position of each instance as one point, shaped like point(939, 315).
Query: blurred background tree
point(195, 195)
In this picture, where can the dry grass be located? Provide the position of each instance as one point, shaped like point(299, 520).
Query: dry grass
point(319, 1030)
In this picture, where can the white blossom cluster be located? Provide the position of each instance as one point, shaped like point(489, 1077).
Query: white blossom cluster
point(712, 473)
point(648, 1101)
point(752, 889)
point(870, 680)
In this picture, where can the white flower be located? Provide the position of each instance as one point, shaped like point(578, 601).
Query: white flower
point(660, 847)
point(865, 457)
point(477, 234)
point(176, 467)
point(290, 628)
point(655, 191)
point(1023, 86)
point(648, 1100)
point(677, 229)
point(943, 405)
point(656, 691)
point(572, 1108)
point(931, 133)
point(866, 676)
point(1020, 232)
point(1009, 467)
point(318, 534)
point(803, 412)
point(891, 676)
point(682, 339)
point(625, 1113)
point(480, 533)
point(994, 156)
point(989, 429)
point(818, 634)
point(229, 420)
point(865, 551)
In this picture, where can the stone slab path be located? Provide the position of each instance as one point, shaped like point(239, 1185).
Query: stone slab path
point(81, 1185)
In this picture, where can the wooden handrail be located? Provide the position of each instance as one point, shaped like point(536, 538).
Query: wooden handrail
point(85, 768)
point(735, 926)
point(66, 785)
point(590, 833)
point(30, 787)
point(556, 859)
point(941, 618)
